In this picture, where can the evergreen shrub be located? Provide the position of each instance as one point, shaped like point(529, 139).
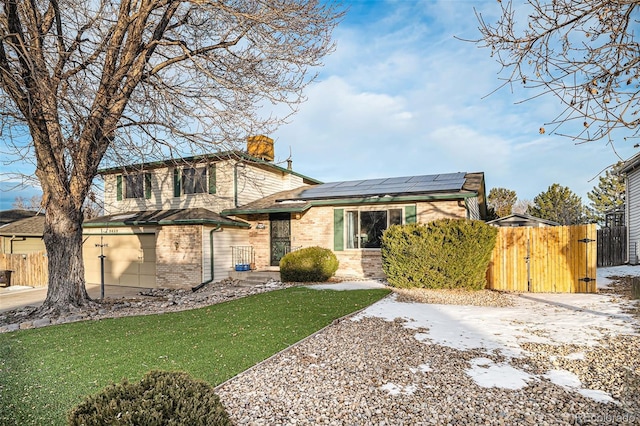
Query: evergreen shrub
point(160, 398)
point(446, 253)
point(310, 264)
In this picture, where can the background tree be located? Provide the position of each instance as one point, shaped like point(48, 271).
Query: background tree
point(585, 53)
point(559, 204)
point(501, 200)
point(120, 81)
point(608, 195)
point(34, 203)
point(521, 205)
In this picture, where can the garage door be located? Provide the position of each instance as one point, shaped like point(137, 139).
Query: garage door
point(130, 260)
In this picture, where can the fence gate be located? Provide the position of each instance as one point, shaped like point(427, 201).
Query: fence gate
point(612, 246)
point(555, 259)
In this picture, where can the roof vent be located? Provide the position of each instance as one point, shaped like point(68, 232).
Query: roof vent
point(260, 146)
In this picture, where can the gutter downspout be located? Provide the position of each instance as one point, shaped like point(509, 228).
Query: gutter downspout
point(199, 286)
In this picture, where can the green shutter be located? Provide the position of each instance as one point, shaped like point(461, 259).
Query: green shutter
point(119, 187)
point(410, 214)
point(338, 229)
point(212, 179)
point(147, 185)
point(176, 182)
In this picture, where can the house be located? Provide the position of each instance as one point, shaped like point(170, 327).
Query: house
point(631, 171)
point(349, 217)
point(21, 232)
point(521, 219)
point(162, 225)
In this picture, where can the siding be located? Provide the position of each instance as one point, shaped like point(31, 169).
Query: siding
point(255, 183)
point(633, 215)
point(222, 242)
point(252, 184)
point(474, 208)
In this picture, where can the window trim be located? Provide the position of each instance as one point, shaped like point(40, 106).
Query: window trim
point(208, 183)
point(123, 183)
point(346, 221)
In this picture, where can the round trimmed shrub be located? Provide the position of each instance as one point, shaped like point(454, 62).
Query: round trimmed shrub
point(310, 264)
point(445, 253)
point(160, 398)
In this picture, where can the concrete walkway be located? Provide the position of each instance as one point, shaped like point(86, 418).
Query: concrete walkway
point(15, 297)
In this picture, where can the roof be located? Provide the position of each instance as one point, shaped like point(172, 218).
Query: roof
point(521, 218)
point(29, 227)
point(631, 164)
point(216, 156)
point(164, 217)
point(450, 186)
point(451, 182)
point(8, 216)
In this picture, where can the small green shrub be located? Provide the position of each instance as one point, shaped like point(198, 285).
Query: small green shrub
point(446, 253)
point(160, 398)
point(311, 264)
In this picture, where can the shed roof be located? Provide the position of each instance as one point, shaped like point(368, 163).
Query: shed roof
point(521, 218)
point(164, 217)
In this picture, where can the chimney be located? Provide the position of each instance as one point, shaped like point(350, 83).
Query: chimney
point(289, 164)
point(260, 146)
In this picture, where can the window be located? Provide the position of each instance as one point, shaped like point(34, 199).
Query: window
point(136, 185)
point(194, 180)
point(365, 228)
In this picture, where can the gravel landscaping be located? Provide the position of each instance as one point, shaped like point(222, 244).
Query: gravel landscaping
point(384, 367)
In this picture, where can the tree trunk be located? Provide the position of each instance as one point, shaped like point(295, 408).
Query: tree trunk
point(63, 241)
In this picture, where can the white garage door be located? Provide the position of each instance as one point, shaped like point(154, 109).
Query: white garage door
point(130, 260)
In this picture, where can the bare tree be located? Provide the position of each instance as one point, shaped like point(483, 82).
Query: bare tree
point(585, 53)
point(522, 205)
point(34, 203)
point(116, 81)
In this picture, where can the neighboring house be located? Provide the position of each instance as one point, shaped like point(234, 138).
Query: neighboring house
point(8, 216)
point(162, 226)
point(631, 170)
point(521, 219)
point(350, 217)
point(21, 232)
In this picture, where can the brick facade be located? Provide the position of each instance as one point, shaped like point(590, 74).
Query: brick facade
point(179, 256)
point(315, 228)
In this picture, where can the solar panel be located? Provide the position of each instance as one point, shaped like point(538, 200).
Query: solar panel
point(388, 186)
point(427, 178)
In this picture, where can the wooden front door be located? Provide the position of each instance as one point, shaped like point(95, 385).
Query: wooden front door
point(280, 236)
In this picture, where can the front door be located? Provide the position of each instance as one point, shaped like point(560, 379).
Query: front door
point(280, 236)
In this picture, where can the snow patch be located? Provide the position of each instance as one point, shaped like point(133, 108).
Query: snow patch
point(488, 374)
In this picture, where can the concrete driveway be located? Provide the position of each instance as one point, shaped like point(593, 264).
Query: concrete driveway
point(15, 297)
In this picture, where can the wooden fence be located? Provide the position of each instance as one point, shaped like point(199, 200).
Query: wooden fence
point(612, 246)
point(555, 259)
point(27, 269)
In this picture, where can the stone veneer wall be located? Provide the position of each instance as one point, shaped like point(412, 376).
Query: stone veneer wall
point(179, 267)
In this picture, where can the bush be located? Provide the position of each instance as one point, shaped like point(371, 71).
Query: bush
point(446, 253)
point(311, 264)
point(160, 398)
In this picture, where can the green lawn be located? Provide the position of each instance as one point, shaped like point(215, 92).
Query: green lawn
point(44, 372)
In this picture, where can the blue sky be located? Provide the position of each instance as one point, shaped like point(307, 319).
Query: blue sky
point(401, 95)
